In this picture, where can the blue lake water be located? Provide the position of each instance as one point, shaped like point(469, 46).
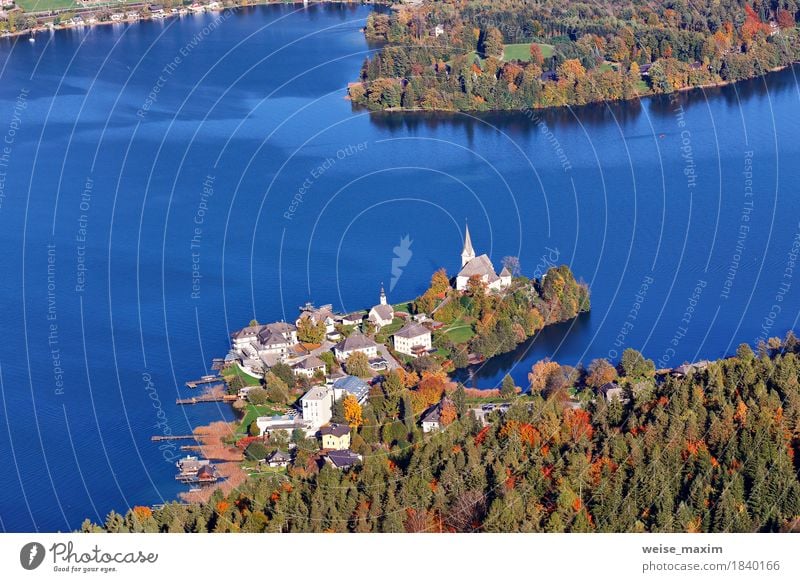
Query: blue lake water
point(164, 183)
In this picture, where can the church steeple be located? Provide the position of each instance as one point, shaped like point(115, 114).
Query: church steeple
point(383, 295)
point(468, 253)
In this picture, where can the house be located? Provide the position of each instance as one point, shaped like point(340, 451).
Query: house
point(438, 30)
point(412, 340)
point(318, 314)
point(351, 385)
point(317, 405)
point(309, 367)
point(612, 390)
point(356, 342)
point(687, 369)
point(286, 422)
point(482, 267)
point(278, 459)
point(431, 418)
point(353, 318)
point(335, 437)
point(382, 314)
point(343, 459)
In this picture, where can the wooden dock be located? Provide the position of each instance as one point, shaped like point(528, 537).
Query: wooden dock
point(207, 398)
point(210, 379)
point(180, 437)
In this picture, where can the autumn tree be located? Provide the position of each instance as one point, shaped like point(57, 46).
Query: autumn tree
point(357, 364)
point(786, 19)
point(352, 411)
point(448, 413)
point(540, 374)
point(536, 54)
point(601, 372)
point(310, 331)
point(493, 43)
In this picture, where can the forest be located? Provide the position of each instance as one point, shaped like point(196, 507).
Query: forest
point(499, 322)
point(713, 449)
point(474, 55)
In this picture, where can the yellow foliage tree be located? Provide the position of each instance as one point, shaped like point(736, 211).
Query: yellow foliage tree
point(352, 411)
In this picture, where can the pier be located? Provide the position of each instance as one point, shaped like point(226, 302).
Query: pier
point(208, 379)
point(207, 398)
point(181, 437)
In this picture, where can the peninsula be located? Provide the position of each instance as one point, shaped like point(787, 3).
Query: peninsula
point(480, 55)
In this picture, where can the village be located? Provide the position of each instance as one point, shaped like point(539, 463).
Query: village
point(334, 358)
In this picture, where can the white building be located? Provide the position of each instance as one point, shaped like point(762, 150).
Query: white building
point(270, 424)
point(309, 367)
point(413, 340)
point(357, 342)
point(271, 343)
point(382, 314)
point(482, 267)
point(317, 406)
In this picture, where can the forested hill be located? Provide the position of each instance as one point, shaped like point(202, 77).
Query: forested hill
point(515, 54)
point(713, 451)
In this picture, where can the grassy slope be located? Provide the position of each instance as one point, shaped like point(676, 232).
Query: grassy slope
point(522, 51)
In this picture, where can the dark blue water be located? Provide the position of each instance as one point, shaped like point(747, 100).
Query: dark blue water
point(246, 186)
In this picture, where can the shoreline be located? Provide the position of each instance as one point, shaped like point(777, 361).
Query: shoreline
point(135, 7)
point(638, 97)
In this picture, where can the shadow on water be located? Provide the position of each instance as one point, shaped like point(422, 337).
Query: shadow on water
point(563, 338)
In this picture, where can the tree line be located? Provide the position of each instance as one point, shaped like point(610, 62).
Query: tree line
point(715, 450)
point(613, 51)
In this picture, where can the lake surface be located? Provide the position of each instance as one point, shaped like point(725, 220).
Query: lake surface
point(164, 183)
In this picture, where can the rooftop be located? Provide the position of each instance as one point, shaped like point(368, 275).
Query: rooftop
point(355, 386)
point(356, 341)
point(343, 459)
point(316, 393)
point(338, 430)
point(412, 330)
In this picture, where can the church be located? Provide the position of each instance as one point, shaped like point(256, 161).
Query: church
point(481, 266)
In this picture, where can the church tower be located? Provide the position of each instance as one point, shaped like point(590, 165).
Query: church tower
point(383, 295)
point(468, 253)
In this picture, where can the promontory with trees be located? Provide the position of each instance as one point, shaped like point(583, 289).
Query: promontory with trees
point(473, 55)
point(712, 447)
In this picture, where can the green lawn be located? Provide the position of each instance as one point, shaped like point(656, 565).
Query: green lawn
point(403, 307)
point(522, 51)
point(235, 370)
point(459, 331)
point(251, 412)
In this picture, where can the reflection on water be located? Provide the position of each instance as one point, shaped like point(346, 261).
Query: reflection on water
point(570, 336)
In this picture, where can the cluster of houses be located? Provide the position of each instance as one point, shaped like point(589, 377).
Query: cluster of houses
point(259, 347)
point(93, 12)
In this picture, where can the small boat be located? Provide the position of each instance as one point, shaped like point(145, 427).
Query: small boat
point(31, 39)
